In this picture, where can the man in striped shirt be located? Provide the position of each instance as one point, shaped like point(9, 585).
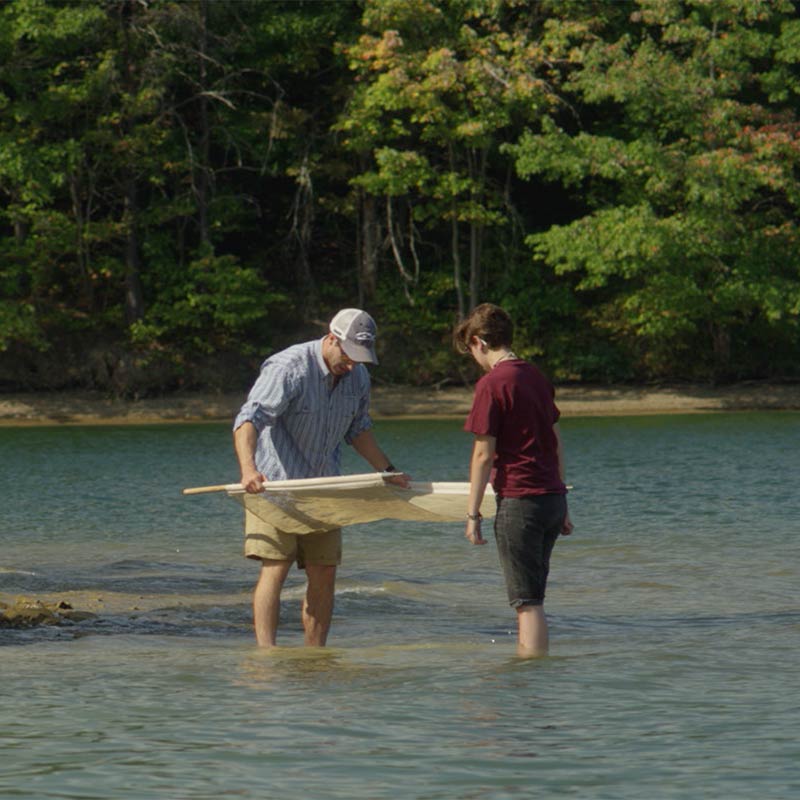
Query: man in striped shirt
point(307, 399)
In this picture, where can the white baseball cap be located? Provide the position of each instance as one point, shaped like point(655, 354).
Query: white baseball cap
point(356, 331)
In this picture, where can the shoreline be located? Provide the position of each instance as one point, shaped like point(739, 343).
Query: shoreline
point(394, 402)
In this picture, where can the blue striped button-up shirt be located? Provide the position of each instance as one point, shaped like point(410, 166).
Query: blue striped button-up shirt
point(301, 421)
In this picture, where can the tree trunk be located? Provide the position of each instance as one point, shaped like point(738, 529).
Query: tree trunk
point(81, 250)
point(456, 245)
point(134, 298)
point(202, 185)
point(475, 270)
point(721, 344)
point(21, 232)
point(370, 237)
point(457, 266)
point(300, 237)
point(476, 232)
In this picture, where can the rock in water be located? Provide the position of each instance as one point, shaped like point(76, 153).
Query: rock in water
point(25, 613)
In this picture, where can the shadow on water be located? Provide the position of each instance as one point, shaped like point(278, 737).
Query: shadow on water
point(177, 605)
point(419, 667)
point(136, 576)
point(658, 623)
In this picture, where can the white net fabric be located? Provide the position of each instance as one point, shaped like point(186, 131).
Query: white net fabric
point(306, 506)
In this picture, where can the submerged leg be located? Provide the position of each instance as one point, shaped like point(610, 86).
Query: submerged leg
point(533, 638)
point(318, 603)
point(267, 600)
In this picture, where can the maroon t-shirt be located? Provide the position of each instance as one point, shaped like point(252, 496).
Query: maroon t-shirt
point(515, 404)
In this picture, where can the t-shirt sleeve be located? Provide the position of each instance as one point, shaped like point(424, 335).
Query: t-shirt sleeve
point(484, 417)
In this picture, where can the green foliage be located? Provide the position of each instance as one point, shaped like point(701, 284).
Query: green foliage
point(192, 183)
point(18, 324)
point(692, 185)
point(216, 304)
point(438, 88)
point(415, 341)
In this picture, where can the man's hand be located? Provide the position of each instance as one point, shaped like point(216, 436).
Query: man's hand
point(400, 479)
point(253, 481)
point(567, 526)
point(473, 532)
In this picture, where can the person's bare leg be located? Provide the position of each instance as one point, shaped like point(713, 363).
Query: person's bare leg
point(533, 635)
point(267, 600)
point(318, 603)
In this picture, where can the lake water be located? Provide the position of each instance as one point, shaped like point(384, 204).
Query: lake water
point(674, 620)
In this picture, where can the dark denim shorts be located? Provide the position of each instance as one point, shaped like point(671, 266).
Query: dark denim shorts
point(526, 529)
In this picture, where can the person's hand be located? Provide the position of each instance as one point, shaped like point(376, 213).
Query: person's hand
point(253, 481)
point(566, 526)
point(473, 532)
point(400, 479)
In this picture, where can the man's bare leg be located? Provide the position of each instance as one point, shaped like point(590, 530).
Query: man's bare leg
point(318, 603)
point(267, 600)
point(533, 635)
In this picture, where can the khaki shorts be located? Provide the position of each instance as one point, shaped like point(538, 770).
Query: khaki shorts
point(262, 540)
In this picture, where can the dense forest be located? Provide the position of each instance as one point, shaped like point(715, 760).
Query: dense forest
point(187, 186)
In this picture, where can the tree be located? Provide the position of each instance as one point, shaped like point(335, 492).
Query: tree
point(52, 59)
point(688, 254)
point(185, 185)
point(439, 88)
point(94, 171)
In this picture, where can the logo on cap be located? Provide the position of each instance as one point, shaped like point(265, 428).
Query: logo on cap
point(356, 332)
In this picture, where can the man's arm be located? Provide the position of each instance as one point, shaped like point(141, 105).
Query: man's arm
point(245, 438)
point(367, 447)
point(480, 468)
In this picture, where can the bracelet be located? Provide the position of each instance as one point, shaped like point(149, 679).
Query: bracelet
point(390, 468)
point(475, 517)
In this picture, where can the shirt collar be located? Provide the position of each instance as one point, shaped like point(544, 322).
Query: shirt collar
point(320, 360)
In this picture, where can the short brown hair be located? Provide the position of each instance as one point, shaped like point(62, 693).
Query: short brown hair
point(488, 322)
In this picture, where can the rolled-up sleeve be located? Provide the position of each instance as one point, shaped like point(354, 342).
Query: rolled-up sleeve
point(268, 398)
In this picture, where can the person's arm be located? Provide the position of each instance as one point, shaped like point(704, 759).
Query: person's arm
point(245, 438)
point(566, 526)
point(480, 468)
point(269, 398)
point(367, 447)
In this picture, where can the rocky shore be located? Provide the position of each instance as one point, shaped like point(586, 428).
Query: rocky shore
point(69, 607)
point(22, 612)
point(87, 408)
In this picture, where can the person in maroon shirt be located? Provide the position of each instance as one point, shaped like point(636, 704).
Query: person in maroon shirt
point(518, 448)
